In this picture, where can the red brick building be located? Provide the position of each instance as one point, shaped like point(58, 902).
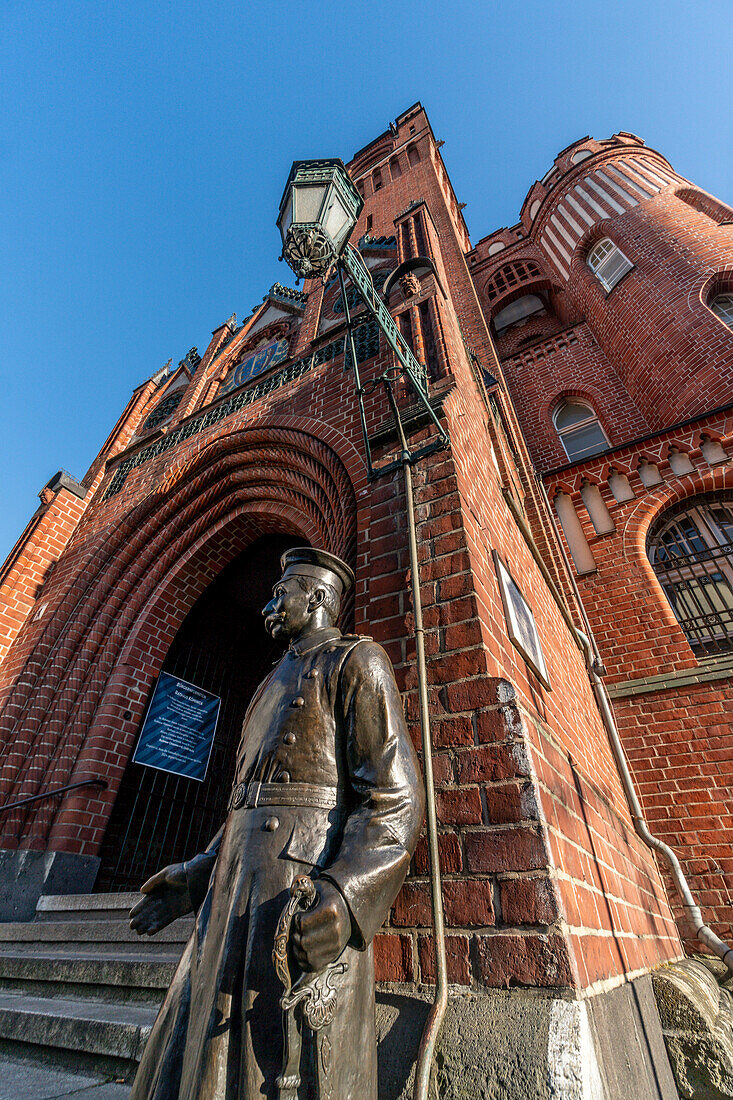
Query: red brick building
point(622, 386)
point(584, 354)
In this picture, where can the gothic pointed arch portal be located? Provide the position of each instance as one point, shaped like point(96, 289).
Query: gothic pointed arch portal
point(73, 709)
point(222, 647)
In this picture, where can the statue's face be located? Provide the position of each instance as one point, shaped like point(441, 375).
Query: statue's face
point(290, 610)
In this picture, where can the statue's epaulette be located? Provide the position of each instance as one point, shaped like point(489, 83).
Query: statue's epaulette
point(356, 638)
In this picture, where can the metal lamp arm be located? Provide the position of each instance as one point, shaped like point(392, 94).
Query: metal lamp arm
point(358, 272)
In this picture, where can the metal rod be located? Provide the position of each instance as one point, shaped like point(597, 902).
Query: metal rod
point(437, 1010)
point(355, 368)
point(351, 260)
point(59, 790)
point(385, 321)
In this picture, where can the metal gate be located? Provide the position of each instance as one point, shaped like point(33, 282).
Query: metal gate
point(221, 646)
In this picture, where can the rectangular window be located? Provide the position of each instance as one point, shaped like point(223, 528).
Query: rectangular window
point(608, 263)
point(428, 337)
point(422, 247)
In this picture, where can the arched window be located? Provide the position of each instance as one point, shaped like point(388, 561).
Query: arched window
point(518, 310)
point(722, 306)
point(691, 550)
point(510, 275)
point(164, 410)
point(707, 205)
point(579, 430)
point(608, 263)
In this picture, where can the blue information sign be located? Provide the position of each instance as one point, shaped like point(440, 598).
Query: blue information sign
point(178, 731)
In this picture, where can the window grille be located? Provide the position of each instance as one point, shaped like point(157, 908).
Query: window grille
point(608, 263)
point(722, 306)
point(691, 551)
point(580, 432)
point(353, 297)
point(511, 275)
point(164, 410)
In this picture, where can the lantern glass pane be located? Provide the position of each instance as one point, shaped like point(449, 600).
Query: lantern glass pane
point(338, 221)
point(287, 217)
point(307, 202)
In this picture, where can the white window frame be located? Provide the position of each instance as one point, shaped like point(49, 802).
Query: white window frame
point(722, 306)
point(592, 418)
point(608, 263)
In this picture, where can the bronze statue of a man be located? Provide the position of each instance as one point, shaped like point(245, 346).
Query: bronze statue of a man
point(326, 785)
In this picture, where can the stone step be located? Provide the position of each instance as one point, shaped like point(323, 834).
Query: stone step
point(92, 1028)
point(107, 936)
point(78, 907)
point(140, 978)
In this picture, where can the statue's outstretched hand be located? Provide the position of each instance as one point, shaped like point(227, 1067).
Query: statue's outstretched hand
point(165, 899)
point(321, 934)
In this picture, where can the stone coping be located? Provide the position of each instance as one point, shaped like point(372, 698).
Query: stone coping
point(718, 668)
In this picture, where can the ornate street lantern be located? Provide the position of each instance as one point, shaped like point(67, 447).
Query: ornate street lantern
point(318, 211)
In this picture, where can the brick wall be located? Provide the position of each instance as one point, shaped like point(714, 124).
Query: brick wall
point(648, 356)
point(673, 710)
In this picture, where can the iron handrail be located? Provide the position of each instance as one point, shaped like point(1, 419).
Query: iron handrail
point(102, 783)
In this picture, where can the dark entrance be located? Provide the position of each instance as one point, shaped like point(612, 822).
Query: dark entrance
point(221, 646)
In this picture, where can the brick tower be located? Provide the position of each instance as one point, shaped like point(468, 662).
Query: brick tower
point(542, 335)
point(621, 377)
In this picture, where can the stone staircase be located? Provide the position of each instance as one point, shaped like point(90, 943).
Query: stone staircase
point(79, 988)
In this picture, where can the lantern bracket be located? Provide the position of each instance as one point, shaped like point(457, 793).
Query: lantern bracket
point(414, 372)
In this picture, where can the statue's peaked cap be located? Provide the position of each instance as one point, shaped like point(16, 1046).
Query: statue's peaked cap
point(307, 562)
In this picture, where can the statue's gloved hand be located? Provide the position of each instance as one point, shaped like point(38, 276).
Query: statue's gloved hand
point(166, 898)
point(321, 934)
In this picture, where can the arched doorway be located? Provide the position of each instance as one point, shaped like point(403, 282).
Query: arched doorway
point(221, 646)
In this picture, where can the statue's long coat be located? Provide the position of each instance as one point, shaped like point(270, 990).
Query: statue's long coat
point(329, 716)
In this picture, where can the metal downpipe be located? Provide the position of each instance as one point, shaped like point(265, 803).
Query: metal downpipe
point(702, 931)
point(593, 662)
point(594, 665)
point(434, 1022)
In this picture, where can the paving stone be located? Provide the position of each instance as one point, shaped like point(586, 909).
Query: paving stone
point(20, 1080)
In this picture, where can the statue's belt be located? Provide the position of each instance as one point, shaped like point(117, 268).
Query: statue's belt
point(286, 794)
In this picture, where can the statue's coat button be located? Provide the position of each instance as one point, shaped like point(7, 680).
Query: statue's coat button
point(331, 649)
point(289, 738)
point(272, 824)
point(284, 777)
point(298, 701)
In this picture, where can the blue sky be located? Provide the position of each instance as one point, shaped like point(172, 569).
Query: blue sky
point(145, 146)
